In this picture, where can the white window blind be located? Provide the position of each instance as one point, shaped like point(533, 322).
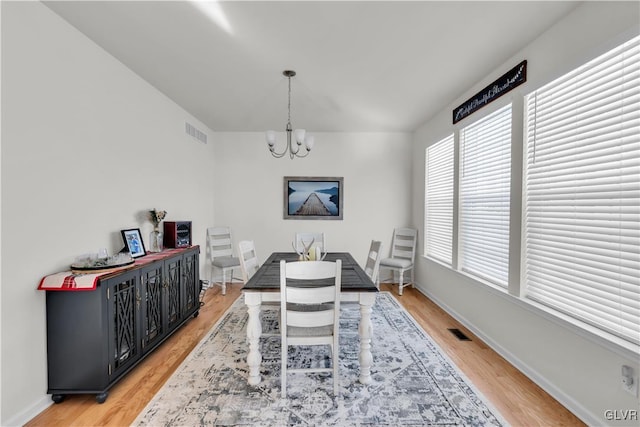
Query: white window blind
point(485, 176)
point(582, 184)
point(438, 208)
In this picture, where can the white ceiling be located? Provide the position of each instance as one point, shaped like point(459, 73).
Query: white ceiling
point(362, 65)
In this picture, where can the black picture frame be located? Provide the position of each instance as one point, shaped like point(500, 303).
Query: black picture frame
point(133, 242)
point(313, 198)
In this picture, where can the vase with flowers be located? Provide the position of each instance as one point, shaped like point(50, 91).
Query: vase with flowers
point(156, 236)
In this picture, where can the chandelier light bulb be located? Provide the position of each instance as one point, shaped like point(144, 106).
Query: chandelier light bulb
point(309, 141)
point(271, 138)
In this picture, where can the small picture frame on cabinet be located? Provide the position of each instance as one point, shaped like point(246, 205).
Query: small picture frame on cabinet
point(133, 242)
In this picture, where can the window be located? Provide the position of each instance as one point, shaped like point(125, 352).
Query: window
point(582, 193)
point(485, 177)
point(439, 200)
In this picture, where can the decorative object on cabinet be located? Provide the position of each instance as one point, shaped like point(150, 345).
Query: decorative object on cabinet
point(313, 197)
point(133, 242)
point(91, 263)
point(177, 234)
point(97, 336)
point(300, 134)
point(155, 237)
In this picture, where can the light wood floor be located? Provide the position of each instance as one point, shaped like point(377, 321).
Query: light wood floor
point(519, 400)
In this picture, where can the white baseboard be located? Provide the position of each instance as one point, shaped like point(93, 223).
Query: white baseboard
point(567, 401)
point(29, 413)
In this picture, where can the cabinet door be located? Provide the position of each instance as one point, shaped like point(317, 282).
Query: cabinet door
point(123, 302)
point(152, 291)
point(191, 282)
point(173, 296)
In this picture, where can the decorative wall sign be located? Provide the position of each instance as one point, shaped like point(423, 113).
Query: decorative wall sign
point(513, 78)
point(312, 197)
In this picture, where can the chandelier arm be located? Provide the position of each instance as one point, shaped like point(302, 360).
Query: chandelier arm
point(277, 155)
point(303, 155)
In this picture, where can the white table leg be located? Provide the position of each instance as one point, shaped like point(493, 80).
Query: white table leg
point(365, 331)
point(254, 330)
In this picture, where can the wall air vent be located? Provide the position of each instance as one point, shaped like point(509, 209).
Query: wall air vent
point(459, 334)
point(195, 132)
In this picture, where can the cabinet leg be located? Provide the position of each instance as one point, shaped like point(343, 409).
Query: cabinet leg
point(57, 398)
point(196, 314)
point(101, 397)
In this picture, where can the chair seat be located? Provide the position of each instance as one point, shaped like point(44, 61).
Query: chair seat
point(226, 261)
point(396, 262)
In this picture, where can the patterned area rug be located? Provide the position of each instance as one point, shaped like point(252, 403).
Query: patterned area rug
point(414, 383)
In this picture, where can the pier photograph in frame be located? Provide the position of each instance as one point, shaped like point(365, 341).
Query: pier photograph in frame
point(313, 197)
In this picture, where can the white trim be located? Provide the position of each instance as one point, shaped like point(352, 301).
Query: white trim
point(29, 413)
point(570, 403)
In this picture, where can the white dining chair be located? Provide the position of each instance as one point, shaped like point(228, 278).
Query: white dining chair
point(310, 315)
point(248, 259)
point(305, 239)
point(403, 252)
point(372, 266)
point(249, 264)
point(221, 255)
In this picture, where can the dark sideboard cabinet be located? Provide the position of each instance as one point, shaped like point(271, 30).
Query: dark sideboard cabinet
point(95, 337)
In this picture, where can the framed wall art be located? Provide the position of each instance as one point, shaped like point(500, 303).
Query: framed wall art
point(133, 242)
point(313, 197)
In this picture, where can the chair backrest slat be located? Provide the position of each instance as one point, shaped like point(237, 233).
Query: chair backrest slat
point(315, 295)
point(404, 243)
point(372, 265)
point(310, 270)
point(248, 259)
point(219, 241)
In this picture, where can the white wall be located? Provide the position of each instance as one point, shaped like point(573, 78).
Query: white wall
point(377, 193)
point(582, 373)
point(87, 148)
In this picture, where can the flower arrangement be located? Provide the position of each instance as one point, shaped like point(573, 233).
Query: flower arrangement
point(156, 217)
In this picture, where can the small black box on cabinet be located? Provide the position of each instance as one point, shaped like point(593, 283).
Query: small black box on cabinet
point(177, 234)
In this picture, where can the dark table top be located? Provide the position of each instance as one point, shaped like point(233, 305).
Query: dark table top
point(267, 278)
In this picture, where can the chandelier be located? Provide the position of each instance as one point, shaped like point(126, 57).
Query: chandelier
point(300, 134)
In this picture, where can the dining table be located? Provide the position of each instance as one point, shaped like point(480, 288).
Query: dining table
point(264, 287)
